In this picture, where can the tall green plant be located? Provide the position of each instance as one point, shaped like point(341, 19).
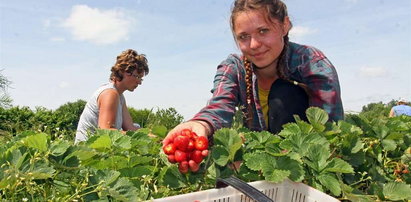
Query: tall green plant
point(5, 99)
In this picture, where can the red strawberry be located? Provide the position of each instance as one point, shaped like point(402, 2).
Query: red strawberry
point(180, 156)
point(196, 156)
point(193, 166)
point(171, 158)
point(183, 167)
point(186, 132)
point(204, 152)
point(194, 135)
point(169, 149)
point(181, 142)
point(190, 146)
point(201, 143)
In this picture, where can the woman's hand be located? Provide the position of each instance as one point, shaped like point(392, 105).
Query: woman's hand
point(201, 128)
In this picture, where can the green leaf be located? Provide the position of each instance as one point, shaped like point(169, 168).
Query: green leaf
point(300, 143)
point(229, 139)
point(136, 171)
point(290, 128)
point(358, 197)
point(220, 155)
point(213, 172)
point(348, 128)
point(317, 115)
point(389, 145)
point(82, 153)
point(172, 177)
point(106, 177)
point(305, 127)
point(255, 160)
point(271, 171)
point(102, 142)
point(406, 157)
point(330, 182)
point(318, 155)
point(37, 141)
point(248, 174)
point(261, 137)
point(41, 171)
point(138, 160)
point(123, 190)
point(397, 191)
point(351, 144)
point(275, 169)
point(59, 147)
point(339, 166)
point(276, 175)
point(122, 142)
point(380, 130)
point(275, 150)
point(61, 186)
point(112, 162)
point(16, 158)
point(159, 130)
point(296, 169)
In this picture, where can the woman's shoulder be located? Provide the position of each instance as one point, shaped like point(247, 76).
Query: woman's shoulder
point(303, 56)
point(232, 59)
point(232, 66)
point(299, 50)
point(104, 87)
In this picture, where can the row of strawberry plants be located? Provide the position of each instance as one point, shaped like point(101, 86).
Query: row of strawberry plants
point(357, 159)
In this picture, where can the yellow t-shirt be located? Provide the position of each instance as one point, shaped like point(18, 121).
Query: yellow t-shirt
point(263, 95)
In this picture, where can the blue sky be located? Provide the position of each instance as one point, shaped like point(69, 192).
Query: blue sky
point(59, 51)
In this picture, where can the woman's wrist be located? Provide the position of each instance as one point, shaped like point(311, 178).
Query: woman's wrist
point(206, 125)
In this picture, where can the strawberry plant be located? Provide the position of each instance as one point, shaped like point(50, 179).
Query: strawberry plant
point(337, 158)
point(358, 159)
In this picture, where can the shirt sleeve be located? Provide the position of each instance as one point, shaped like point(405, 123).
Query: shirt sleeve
point(220, 109)
point(322, 80)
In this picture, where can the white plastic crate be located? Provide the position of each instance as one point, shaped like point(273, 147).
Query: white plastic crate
point(287, 191)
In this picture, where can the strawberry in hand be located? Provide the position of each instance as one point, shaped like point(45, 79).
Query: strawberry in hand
point(201, 143)
point(169, 149)
point(187, 149)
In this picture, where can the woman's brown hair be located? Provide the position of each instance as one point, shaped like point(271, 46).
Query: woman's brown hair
point(128, 61)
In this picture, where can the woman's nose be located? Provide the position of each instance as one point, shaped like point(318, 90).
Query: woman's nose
point(254, 43)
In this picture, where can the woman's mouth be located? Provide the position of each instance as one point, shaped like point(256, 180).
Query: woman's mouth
point(258, 55)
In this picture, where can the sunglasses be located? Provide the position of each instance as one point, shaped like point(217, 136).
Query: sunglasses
point(136, 76)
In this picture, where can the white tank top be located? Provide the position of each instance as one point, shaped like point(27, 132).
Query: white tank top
point(89, 118)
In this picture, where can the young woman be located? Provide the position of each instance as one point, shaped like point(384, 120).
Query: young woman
point(272, 80)
point(107, 107)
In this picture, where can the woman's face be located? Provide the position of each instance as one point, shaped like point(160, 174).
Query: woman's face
point(260, 39)
point(132, 80)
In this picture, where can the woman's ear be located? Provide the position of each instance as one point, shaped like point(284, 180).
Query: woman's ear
point(286, 25)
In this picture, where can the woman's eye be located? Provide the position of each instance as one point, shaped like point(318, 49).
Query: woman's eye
point(243, 37)
point(263, 31)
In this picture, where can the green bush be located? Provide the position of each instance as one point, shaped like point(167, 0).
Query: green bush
point(63, 121)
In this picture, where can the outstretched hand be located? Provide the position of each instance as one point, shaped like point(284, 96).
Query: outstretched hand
point(200, 128)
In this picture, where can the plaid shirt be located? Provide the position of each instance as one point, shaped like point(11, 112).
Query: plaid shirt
point(305, 64)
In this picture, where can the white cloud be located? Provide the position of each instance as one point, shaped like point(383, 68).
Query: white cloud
point(351, 1)
point(97, 26)
point(63, 84)
point(57, 39)
point(373, 71)
point(299, 32)
point(47, 23)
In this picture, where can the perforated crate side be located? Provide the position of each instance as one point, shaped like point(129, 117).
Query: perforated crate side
point(287, 191)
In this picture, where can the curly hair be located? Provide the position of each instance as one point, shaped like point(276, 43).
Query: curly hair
point(128, 61)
